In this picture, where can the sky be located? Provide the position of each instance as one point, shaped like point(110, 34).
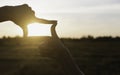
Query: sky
point(76, 18)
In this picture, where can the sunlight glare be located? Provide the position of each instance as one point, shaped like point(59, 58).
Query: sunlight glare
point(36, 29)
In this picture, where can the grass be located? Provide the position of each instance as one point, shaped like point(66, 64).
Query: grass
point(31, 56)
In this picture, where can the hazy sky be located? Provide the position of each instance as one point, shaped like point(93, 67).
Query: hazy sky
point(76, 18)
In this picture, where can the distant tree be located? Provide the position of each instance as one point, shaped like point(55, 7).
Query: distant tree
point(4, 37)
point(89, 37)
point(104, 38)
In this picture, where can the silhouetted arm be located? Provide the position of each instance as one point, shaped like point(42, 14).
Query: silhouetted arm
point(63, 55)
point(44, 21)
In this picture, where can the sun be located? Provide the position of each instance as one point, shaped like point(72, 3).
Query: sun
point(36, 29)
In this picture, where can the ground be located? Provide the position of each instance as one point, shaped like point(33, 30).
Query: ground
point(31, 56)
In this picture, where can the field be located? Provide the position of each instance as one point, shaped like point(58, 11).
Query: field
point(33, 56)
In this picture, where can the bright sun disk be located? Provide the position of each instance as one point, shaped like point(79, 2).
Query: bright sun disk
point(36, 29)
